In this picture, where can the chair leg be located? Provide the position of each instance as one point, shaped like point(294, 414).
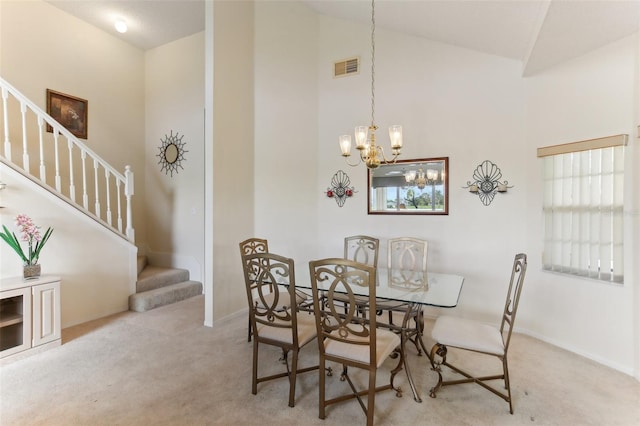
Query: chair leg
point(292, 378)
point(507, 383)
point(321, 390)
point(254, 381)
point(249, 331)
point(441, 351)
point(371, 397)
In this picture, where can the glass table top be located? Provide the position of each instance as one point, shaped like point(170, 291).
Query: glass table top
point(443, 290)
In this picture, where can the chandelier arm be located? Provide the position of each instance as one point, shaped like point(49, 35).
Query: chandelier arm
point(395, 153)
point(357, 163)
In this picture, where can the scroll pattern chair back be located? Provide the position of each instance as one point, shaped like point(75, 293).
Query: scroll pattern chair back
point(513, 298)
point(362, 248)
point(407, 262)
point(273, 314)
point(407, 269)
point(252, 246)
point(262, 272)
point(346, 337)
point(469, 335)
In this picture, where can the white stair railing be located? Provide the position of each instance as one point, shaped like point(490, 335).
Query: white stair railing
point(18, 112)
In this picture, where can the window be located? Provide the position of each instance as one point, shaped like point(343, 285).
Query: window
point(583, 208)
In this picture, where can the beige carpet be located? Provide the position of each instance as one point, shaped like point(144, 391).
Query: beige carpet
point(163, 367)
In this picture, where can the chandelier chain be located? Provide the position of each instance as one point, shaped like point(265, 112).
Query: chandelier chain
point(370, 153)
point(373, 62)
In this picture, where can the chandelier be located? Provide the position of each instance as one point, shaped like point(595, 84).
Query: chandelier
point(371, 154)
point(420, 178)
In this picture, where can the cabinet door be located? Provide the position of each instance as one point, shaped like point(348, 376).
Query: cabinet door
point(46, 313)
point(15, 321)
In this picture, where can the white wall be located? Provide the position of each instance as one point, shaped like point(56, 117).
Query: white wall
point(42, 47)
point(174, 203)
point(96, 266)
point(233, 160)
point(589, 97)
point(286, 129)
point(452, 103)
point(277, 116)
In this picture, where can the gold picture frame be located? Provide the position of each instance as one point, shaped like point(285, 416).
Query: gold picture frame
point(70, 111)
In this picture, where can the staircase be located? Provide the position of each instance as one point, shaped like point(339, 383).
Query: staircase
point(157, 286)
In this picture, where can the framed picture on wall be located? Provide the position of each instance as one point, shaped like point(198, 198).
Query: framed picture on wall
point(69, 111)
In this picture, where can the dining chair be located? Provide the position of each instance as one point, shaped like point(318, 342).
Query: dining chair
point(478, 337)
point(407, 262)
point(348, 338)
point(274, 314)
point(407, 269)
point(252, 246)
point(259, 245)
point(363, 249)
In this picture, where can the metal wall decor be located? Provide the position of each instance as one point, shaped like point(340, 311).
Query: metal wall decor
point(487, 182)
point(340, 189)
point(171, 153)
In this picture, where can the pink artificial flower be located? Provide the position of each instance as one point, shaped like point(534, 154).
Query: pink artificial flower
point(30, 232)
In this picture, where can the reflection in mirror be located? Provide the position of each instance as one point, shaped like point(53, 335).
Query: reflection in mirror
point(410, 187)
point(171, 153)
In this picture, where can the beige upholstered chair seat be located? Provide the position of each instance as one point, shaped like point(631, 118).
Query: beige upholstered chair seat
point(306, 330)
point(386, 342)
point(461, 332)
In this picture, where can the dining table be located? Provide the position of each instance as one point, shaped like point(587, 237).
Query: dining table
point(406, 292)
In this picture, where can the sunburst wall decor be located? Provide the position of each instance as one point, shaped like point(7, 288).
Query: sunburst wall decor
point(171, 153)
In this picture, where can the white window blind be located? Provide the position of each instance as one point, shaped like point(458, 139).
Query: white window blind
point(583, 208)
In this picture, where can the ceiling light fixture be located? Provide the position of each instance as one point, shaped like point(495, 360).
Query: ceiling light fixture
point(120, 25)
point(371, 154)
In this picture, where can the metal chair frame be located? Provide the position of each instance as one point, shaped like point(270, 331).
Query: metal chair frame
point(518, 272)
point(337, 328)
point(253, 246)
point(362, 249)
point(407, 267)
point(261, 272)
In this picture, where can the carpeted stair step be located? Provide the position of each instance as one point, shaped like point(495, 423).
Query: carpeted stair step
point(153, 277)
point(142, 262)
point(146, 300)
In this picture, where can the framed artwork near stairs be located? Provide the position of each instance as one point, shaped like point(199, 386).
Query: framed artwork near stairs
point(69, 111)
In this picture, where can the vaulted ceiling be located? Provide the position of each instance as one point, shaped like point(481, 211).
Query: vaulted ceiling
point(539, 33)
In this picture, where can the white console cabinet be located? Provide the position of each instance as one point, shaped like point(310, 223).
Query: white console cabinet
point(29, 315)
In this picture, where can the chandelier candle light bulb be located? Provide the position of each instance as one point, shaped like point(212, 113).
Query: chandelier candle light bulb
point(395, 134)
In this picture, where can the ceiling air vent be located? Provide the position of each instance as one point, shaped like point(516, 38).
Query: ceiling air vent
point(346, 67)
